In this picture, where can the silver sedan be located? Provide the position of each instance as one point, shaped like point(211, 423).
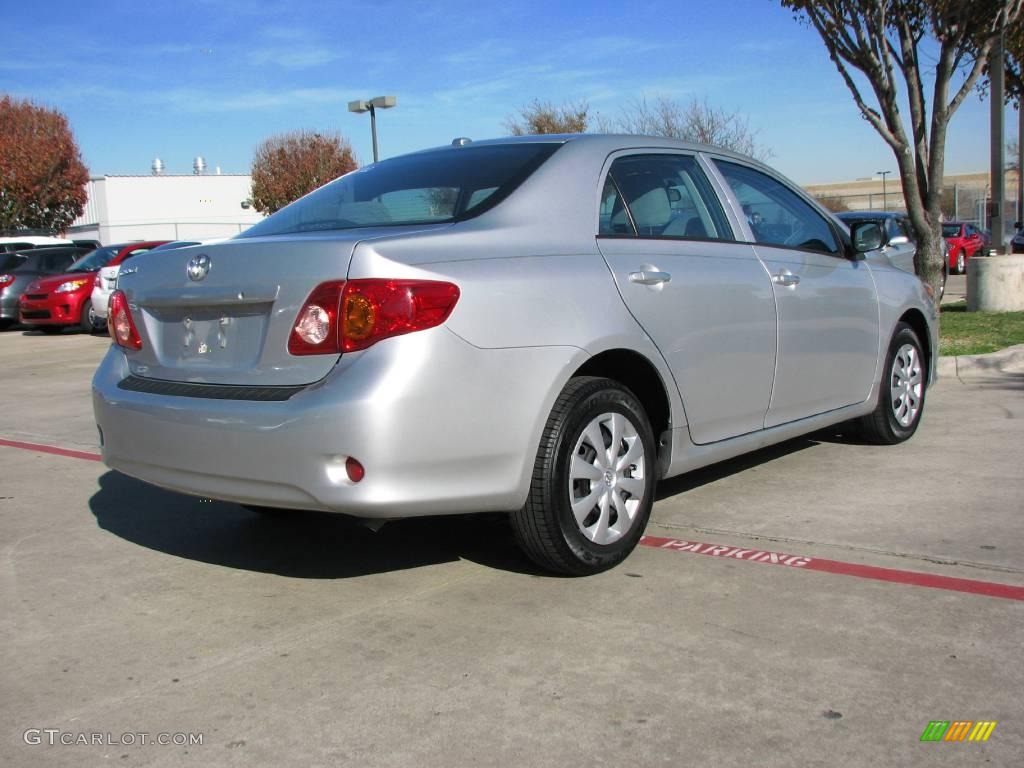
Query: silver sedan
point(544, 326)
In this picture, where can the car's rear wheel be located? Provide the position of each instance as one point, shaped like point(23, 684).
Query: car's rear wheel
point(961, 262)
point(902, 391)
point(593, 480)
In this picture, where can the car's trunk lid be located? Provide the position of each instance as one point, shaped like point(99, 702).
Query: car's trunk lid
point(232, 325)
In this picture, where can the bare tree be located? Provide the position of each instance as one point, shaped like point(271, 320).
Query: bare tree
point(697, 121)
point(544, 117)
point(881, 40)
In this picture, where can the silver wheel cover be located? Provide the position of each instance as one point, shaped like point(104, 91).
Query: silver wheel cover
point(607, 478)
point(906, 385)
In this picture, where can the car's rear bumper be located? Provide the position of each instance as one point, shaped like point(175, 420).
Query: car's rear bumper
point(440, 427)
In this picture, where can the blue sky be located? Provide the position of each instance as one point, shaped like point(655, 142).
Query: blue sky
point(137, 82)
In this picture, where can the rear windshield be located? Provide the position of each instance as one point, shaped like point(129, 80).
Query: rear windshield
point(950, 230)
point(95, 260)
point(427, 187)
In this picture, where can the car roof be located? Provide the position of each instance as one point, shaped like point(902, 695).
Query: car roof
point(607, 142)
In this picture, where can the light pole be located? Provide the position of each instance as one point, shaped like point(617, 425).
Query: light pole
point(885, 200)
point(371, 106)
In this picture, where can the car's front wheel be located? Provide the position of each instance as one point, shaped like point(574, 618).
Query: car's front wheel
point(902, 391)
point(593, 480)
point(961, 262)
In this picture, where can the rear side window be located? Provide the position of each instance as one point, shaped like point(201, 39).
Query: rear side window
point(661, 196)
point(426, 187)
point(9, 262)
point(777, 215)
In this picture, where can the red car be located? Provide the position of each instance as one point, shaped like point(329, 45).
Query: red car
point(965, 242)
point(53, 303)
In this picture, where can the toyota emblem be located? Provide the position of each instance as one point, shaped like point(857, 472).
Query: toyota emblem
point(198, 267)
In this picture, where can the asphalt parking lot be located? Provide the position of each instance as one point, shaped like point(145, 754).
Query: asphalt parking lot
point(305, 640)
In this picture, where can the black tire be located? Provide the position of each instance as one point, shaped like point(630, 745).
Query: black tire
point(545, 527)
point(6, 323)
point(881, 426)
point(961, 262)
point(85, 322)
point(942, 287)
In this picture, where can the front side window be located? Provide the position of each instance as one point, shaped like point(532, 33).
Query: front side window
point(438, 186)
point(951, 230)
point(777, 215)
point(661, 196)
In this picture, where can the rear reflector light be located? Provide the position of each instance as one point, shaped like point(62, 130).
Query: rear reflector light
point(120, 324)
point(342, 316)
point(354, 470)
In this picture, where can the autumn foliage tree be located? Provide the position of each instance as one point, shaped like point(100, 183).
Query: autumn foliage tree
point(289, 165)
point(42, 177)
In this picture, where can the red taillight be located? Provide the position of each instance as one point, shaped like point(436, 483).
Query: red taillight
point(348, 316)
point(120, 324)
point(6, 280)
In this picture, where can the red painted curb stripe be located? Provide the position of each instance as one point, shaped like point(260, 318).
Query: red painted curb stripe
point(914, 578)
point(51, 449)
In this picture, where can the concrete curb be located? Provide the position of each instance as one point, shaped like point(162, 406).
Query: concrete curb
point(1009, 360)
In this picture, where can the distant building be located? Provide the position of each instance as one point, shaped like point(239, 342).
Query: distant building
point(965, 196)
point(165, 207)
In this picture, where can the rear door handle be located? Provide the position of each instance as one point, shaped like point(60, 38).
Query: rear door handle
point(785, 277)
point(649, 278)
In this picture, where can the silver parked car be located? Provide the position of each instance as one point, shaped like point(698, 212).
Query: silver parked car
point(544, 326)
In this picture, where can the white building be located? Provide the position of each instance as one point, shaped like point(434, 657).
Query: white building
point(165, 207)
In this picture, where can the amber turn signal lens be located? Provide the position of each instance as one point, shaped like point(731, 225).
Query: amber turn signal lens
point(359, 317)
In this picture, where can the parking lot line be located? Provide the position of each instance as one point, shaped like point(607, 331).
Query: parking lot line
point(896, 576)
point(87, 455)
point(754, 555)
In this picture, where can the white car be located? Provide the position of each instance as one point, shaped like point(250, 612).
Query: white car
point(106, 280)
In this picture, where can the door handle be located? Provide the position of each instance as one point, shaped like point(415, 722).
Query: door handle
point(649, 278)
point(785, 277)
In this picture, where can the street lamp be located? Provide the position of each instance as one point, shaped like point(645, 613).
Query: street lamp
point(885, 200)
point(371, 105)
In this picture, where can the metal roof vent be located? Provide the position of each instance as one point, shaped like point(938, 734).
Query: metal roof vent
point(157, 167)
point(461, 141)
point(199, 166)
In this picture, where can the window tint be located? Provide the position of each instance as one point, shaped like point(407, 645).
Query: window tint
point(435, 186)
point(777, 215)
point(57, 262)
point(666, 196)
point(9, 262)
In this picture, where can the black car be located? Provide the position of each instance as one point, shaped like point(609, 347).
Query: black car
point(20, 268)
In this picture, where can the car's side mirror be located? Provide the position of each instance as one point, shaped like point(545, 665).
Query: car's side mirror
point(866, 236)
point(899, 240)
